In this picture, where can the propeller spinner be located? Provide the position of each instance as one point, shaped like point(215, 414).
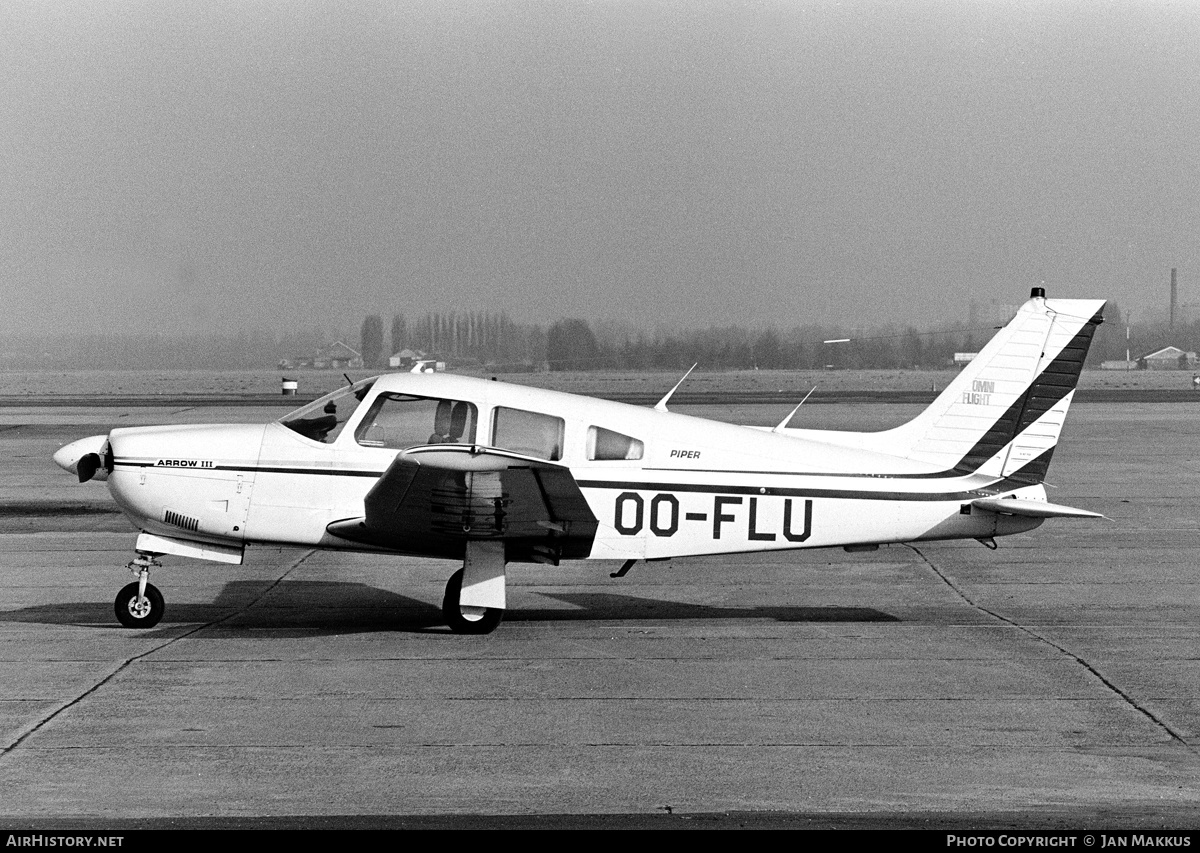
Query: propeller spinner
point(88, 458)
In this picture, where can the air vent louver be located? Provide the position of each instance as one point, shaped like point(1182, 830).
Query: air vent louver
point(179, 520)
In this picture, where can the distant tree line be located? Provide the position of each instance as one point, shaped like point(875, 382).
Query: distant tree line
point(493, 341)
point(479, 337)
point(800, 347)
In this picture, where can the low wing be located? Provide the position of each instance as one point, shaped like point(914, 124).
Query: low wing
point(434, 499)
point(1032, 508)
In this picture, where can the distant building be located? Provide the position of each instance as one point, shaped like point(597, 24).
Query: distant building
point(335, 356)
point(964, 357)
point(416, 361)
point(1167, 358)
point(1119, 364)
point(406, 358)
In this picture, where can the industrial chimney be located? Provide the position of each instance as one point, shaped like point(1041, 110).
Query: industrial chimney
point(1174, 298)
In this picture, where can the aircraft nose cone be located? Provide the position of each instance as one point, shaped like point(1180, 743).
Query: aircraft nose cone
point(67, 457)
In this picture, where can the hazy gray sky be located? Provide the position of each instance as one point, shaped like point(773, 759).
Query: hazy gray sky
point(208, 165)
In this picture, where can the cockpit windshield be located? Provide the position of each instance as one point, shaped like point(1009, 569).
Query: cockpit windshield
point(322, 419)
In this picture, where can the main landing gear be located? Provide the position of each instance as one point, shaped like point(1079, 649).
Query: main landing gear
point(474, 601)
point(464, 619)
point(140, 604)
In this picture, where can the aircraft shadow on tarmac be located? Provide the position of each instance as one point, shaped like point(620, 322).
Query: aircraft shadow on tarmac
point(307, 608)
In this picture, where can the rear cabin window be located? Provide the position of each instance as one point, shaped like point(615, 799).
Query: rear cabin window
point(529, 433)
point(398, 421)
point(604, 444)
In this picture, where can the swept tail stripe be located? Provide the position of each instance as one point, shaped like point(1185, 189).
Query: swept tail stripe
point(1054, 383)
point(1029, 474)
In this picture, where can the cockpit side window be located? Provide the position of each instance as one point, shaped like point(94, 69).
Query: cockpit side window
point(322, 420)
point(398, 421)
point(529, 433)
point(604, 444)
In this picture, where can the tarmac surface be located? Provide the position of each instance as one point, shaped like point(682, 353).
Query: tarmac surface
point(1051, 683)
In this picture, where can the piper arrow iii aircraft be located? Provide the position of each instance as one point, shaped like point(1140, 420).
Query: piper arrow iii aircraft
point(489, 474)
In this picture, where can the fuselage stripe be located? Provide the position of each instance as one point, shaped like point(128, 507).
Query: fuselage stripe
point(768, 491)
point(260, 469)
point(982, 490)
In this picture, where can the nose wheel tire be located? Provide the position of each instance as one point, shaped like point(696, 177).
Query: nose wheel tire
point(135, 612)
point(466, 620)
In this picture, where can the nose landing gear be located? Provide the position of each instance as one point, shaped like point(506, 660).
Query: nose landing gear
point(140, 604)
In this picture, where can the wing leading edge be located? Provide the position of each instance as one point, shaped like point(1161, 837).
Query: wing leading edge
point(433, 500)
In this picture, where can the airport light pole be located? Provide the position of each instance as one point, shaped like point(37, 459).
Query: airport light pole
point(1128, 324)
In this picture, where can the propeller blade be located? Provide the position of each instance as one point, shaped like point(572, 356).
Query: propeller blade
point(87, 466)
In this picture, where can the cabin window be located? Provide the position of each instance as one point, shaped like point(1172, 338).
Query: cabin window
point(529, 433)
point(322, 420)
point(604, 444)
point(398, 421)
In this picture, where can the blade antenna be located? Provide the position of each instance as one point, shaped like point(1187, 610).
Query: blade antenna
point(792, 413)
point(661, 406)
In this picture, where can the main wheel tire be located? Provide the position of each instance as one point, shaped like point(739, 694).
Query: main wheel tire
point(133, 613)
point(467, 620)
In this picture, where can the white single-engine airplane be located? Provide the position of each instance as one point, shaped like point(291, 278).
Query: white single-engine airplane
point(487, 473)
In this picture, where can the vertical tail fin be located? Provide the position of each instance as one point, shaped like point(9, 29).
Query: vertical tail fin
point(1003, 414)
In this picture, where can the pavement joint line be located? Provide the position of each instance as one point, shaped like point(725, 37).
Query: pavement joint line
point(295, 565)
point(604, 654)
point(129, 661)
point(1112, 686)
point(518, 744)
